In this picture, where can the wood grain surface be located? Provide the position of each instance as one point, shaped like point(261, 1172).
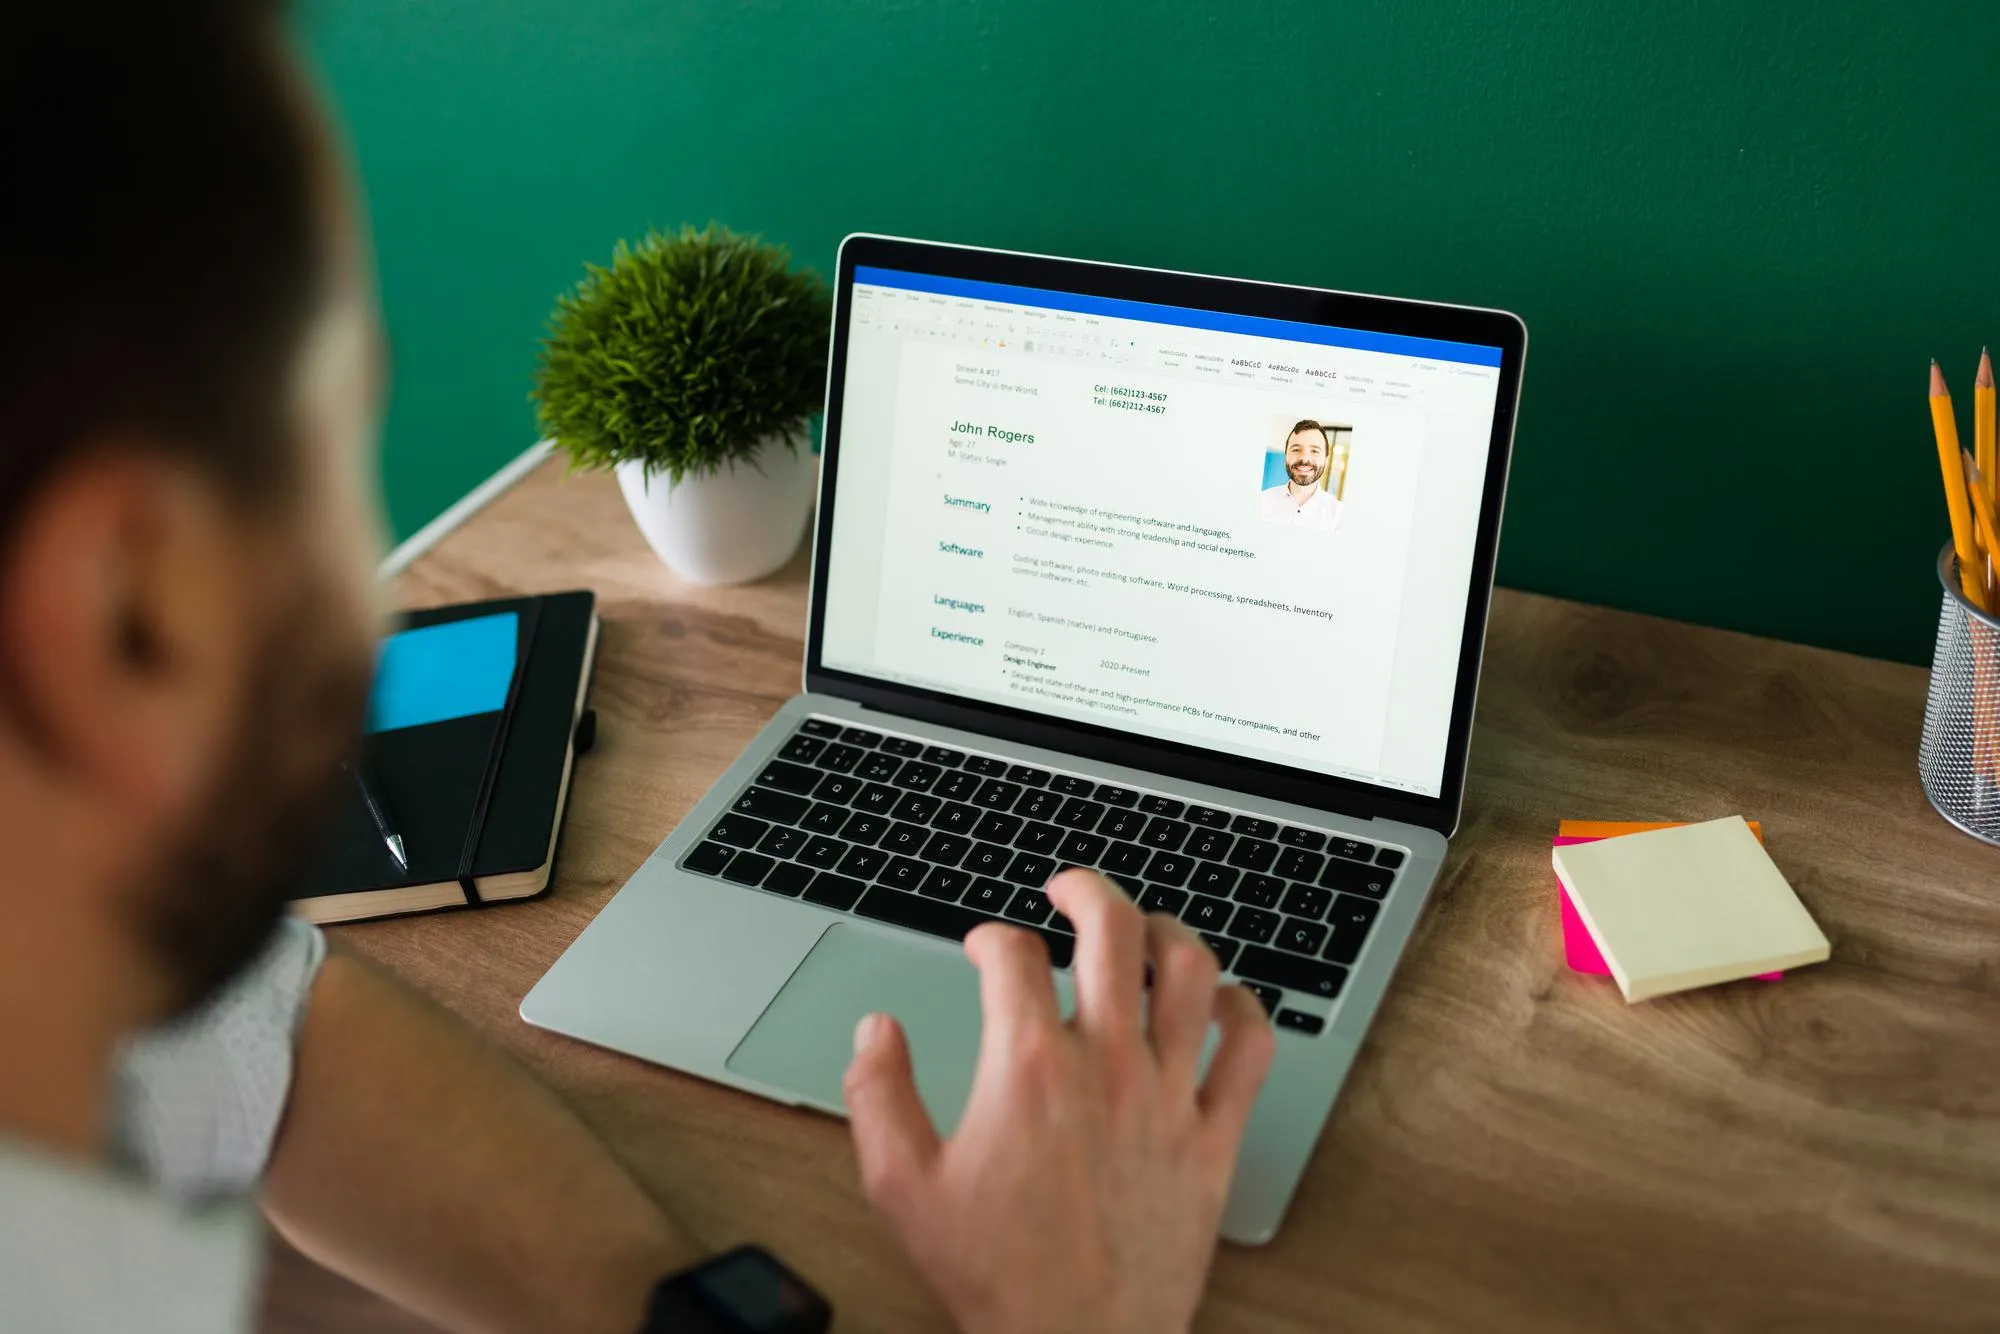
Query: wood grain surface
point(1518, 1149)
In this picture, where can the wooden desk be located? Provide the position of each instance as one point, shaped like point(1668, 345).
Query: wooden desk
point(1517, 1149)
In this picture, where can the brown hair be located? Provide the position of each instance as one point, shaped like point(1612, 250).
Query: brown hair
point(160, 254)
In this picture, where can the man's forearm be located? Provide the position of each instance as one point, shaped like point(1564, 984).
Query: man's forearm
point(422, 1163)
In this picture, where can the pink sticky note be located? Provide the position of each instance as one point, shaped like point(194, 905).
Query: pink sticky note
point(1580, 950)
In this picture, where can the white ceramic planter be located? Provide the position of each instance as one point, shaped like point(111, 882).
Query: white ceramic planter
point(732, 526)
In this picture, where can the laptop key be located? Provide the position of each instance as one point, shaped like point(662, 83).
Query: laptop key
point(1354, 878)
point(1081, 849)
point(1224, 948)
point(839, 759)
point(819, 727)
point(1259, 964)
point(916, 776)
point(957, 785)
point(877, 798)
point(1158, 898)
point(802, 749)
point(1390, 857)
point(1209, 816)
point(1165, 833)
point(1350, 919)
point(1268, 994)
point(1038, 804)
point(1076, 813)
point(708, 858)
point(920, 806)
point(1309, 839)
point(1253, 854)
point(1030, 906)
point(952, 921)
point(1071, 786)
point(1161, 806)
point(988, 859)
point(1122, 824)
point(1297, 864)
point(905, 840)
point(861, 736)
point(1254, 925)
point(995, 795)
point(789, 777)
point(1261, 891)
point(822, 853)
point(1299, 1021)
point(1031, 869)
point(998, 827)
point(834, 891)
point(766, 804)
point(1212, 844)
point(863, 863)
point(1254, 827)
point(1123, 859)
point(839, 788)
point(1115, 796)
point(944, 755)
point(1028, 776)
point(782, 842)
point(945, 883)
point(863, 828)
point(878, 767)
point(1204, 913)
point(789, 879)
point(1303, 937)
point(988, 895)
point(1209, 878)
point(903, 746)
point(1039, 837)
point(824, 818)
point(748, 868)
point(946, 850)
point(1307, 902)
point(986, 766)
point(904, 873)
point(1353, 849)
point(955, 817)
point(739, 831)
point(1169, 868)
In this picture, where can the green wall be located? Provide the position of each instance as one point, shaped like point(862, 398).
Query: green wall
point(1737, 231)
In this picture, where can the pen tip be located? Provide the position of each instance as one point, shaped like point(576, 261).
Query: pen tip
point(395, 842)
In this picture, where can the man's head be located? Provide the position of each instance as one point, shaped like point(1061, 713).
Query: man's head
point(1305, 453)
point(187, 400)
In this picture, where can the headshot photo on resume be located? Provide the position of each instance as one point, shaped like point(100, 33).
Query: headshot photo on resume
point(1305, 472)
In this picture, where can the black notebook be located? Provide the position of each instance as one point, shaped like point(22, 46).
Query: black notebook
point(470, 757)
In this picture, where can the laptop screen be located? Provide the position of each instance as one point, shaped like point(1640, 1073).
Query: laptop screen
point(1245, 534)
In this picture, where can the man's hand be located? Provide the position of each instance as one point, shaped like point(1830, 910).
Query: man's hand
point(1084, 1186)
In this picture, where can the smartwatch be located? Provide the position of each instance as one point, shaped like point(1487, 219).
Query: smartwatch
point(744, 1291)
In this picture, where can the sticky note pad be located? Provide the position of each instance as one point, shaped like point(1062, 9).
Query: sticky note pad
point(1673, 909)
point(1580, 952)
point(438, 672)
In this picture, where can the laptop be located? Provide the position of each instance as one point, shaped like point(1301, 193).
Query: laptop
point(1182, 578)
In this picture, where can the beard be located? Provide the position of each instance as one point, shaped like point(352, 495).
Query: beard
point(1305, 474)
point(226, 880)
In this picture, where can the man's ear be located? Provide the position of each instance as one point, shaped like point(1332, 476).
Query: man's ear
point(124, 642)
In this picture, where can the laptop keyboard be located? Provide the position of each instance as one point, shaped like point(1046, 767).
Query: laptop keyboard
point(938, 840)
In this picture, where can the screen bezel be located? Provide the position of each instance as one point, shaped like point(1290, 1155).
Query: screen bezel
point(1459, 324)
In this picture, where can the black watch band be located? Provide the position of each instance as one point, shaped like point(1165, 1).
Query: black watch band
point(744, 1291)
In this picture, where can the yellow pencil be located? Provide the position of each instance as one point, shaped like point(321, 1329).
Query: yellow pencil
point(1945, 426)
point(1985, 446)
point(1985, 691)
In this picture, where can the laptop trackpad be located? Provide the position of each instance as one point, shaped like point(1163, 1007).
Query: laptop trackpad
point(805, 1038)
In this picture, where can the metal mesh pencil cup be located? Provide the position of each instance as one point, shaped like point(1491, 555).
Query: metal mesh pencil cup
point(1959, 757)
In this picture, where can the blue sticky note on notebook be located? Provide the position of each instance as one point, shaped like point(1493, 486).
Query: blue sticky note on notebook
point(439, 672)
